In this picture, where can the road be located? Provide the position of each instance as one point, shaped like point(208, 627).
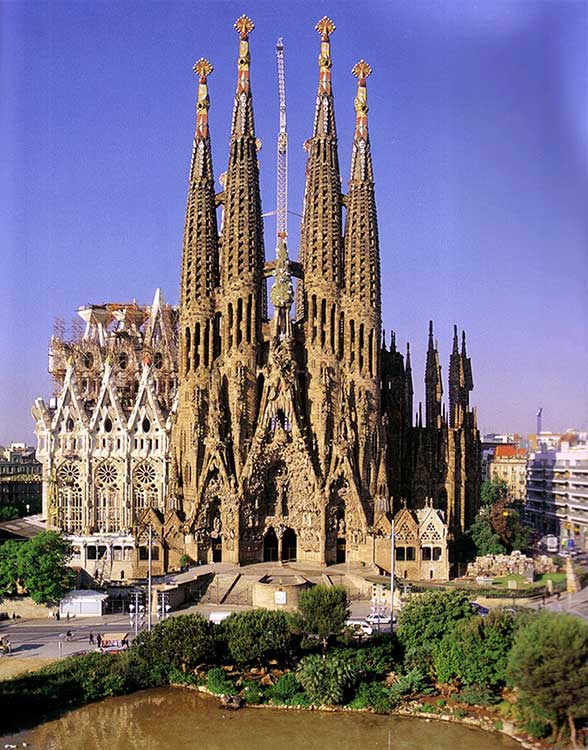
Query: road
point(46, 638)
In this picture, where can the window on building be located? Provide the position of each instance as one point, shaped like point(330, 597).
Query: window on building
point(437, 553)
point(411, 553)
point(91, 552)
point(426, 553)
point(400, 553)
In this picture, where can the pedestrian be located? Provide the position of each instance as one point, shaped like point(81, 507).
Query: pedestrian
point(67, 615)
point(57, 616)
point(91, 639)
point(99, 640)
point(14, 615)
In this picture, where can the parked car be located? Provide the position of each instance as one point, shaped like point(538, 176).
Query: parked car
point(479, 609)
point(360, 627)
point(378, 619)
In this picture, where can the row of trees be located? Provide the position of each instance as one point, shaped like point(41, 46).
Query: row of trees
point(38, 567)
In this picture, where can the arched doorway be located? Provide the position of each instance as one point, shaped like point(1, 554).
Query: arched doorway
point(341, 549)
point(289, 546)
point(270, 546)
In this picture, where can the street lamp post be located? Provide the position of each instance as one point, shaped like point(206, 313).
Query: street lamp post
point(392, 555)
point(163, 606)
point(137, 612)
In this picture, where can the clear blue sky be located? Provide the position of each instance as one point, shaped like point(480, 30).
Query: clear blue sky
point(478, 121)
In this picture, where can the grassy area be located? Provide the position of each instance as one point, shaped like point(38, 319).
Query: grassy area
point(11, 666)
point(522, 582)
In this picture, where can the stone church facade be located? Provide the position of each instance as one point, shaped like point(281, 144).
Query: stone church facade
point(242, 436)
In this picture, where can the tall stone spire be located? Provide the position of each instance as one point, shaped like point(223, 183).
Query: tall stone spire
point(242, 236)
point(242, 299)
point(320, 242)
point(408, 386)
point(200, 252)
point(468, 380)
point(362, 255)
point(455, 383)
point(433, 384)
point(198, 334)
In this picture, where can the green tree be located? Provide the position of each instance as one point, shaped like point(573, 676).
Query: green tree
point(326, 679)
point(182, 642)
point(486, 540)
point(425, 620)
point(9, 568)
point(258, 635)
point(492, 491)
point(475, 651)
point(323, 612)
point(549, 665)
point(498, 527)
point(43, 567)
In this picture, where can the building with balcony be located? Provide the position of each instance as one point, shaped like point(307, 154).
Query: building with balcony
point(557, 494)
point(20, 481)
point(509, 464)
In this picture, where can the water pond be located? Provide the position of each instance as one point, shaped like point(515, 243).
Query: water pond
point(177, 719)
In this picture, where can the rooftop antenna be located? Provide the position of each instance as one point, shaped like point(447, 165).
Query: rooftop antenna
point(282, 162)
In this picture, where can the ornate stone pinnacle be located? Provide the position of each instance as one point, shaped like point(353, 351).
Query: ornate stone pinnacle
point(244, 26)
point(202, 68)
point(325, 27)
point(361, 70)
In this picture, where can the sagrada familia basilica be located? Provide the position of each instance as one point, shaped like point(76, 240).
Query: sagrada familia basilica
point(242, 436)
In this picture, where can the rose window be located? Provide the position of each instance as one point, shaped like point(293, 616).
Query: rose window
point(69, 473)
point(106, 474)
point(145, 474)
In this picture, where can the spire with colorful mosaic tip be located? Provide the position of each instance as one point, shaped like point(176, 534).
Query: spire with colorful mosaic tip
point(203, 69)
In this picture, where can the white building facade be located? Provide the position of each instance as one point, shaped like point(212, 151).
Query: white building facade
point(103, 440)
point(557, 494)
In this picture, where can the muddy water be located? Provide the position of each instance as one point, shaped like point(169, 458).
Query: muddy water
point(175, 719)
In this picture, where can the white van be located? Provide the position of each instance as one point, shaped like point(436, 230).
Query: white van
point(217, 617)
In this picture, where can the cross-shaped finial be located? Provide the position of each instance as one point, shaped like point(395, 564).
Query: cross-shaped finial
point(361, 70)
point(325, 27)
point(202, 68)
point(244, 25)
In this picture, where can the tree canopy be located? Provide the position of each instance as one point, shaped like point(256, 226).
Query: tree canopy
point(40, 566)
point(323, 611)
point(182, 642)
point(548, 664)
point(258, 636)
point(425, 620)
point(475, 651)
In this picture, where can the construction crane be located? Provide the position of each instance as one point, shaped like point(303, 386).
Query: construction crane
point(282, 162)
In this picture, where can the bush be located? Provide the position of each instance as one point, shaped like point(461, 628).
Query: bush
point(477, 695)
point(375, 657)
point(219, 683)
point(252, 693)
point(259, 636)
point(326, 680)
point(374, 695)
point(285, 688)
point(413, 682)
